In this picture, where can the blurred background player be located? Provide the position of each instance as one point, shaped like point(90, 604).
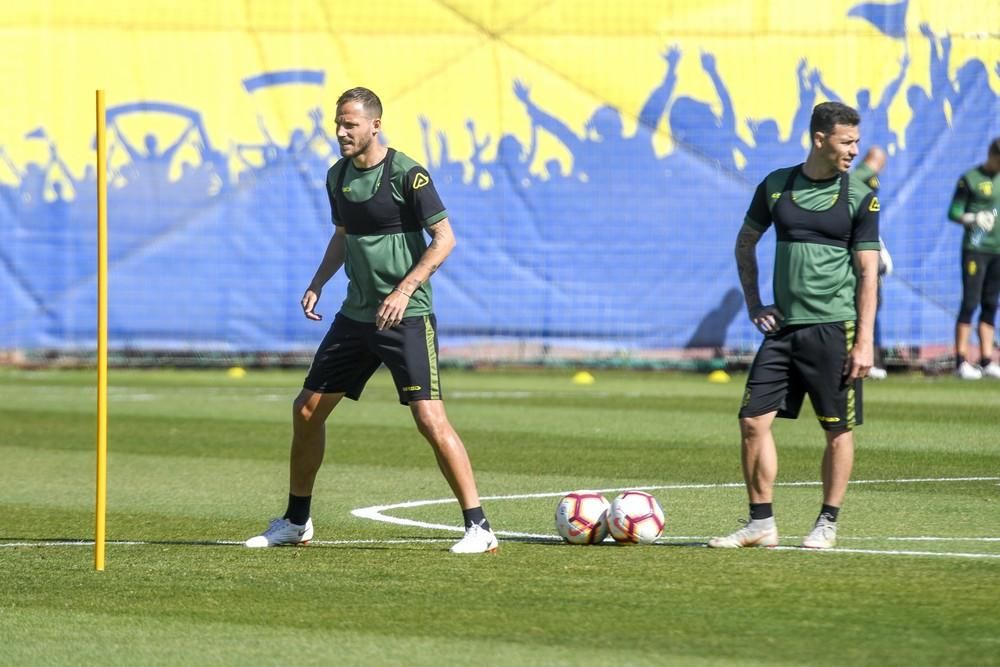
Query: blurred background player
point(974, 206)
point(868, 171)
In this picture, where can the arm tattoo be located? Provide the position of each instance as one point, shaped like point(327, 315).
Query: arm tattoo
point(746, 264)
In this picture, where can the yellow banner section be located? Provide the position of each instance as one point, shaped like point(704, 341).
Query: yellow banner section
point(448, 62)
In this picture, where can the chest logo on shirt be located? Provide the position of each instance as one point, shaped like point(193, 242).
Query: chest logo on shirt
point(987, 188)
point(420, 180)
point(873, 206)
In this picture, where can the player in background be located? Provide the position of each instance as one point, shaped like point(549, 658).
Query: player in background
point(818, 333)
point(382, 204)
point(974, 206)
point(868, 171)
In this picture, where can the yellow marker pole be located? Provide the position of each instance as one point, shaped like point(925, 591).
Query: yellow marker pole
point(102, 335)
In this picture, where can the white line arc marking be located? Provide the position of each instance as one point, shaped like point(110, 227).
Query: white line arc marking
point(376, 513)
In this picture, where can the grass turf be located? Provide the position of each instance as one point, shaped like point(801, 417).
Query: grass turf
point(198, 459)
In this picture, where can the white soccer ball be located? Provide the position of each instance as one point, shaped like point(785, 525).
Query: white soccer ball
point(635, 518)
point(582, 517)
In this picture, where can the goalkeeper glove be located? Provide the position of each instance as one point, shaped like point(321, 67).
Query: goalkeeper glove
point(984, 220)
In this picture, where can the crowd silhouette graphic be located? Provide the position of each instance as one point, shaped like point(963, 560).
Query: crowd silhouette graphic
point(622, 246)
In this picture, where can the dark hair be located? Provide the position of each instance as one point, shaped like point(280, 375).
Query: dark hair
point(369, 100)
point(995, 147)
point(828, 114)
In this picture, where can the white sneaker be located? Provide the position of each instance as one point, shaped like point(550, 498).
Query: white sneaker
point(477, 540)
point(755, 533)
point(967, 371)
point(877, 373)
point(282, 532)
point(991, 370)
point(823, 535)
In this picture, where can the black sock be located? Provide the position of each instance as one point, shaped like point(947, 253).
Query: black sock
point(298, 509)
point(760, 511)
point(829, 512)
point(984, 362)
point(474, 515)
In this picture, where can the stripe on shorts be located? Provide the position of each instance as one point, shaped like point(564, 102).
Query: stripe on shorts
point(435, 388)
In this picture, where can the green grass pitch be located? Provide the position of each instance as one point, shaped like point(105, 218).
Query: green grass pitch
point(197, 463)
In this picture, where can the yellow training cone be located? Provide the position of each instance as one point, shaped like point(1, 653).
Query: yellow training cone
point(718, 376)
point(583, 377)
point(236, 372)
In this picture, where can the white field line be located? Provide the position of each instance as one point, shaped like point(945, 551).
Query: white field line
point(129, 543)
point(376, 512)
point(548, 538)
point(892, 552)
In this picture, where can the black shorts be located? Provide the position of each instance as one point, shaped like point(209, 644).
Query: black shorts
point(352, 351)
point(800, 360)
point(980, 285)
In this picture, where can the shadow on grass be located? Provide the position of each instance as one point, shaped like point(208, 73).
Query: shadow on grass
point(384, 543)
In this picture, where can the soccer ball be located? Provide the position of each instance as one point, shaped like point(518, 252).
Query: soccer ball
point(582, 517)
point(635, 518)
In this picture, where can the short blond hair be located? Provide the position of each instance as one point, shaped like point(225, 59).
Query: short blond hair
point(369, 101)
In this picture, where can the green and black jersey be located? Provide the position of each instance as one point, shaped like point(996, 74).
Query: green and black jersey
point(977, 191)
point(384, 219)
point(818, 224)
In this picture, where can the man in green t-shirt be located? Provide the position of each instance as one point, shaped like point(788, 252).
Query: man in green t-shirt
point(818, 333)
point(382, 204)
point(974, 206)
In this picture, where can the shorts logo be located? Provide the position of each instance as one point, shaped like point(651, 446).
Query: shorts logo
point(420, 180)
point(746, 398)
point(874, 205)
point(971, 270)
point(413, 387)
point(828, 420)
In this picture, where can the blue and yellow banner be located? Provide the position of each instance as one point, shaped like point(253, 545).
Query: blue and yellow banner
point(596, 160)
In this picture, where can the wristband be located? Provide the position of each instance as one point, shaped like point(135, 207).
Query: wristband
point(408, 296)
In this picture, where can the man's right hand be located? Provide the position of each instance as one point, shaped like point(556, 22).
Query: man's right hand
point(309, 301)
point(767, 319)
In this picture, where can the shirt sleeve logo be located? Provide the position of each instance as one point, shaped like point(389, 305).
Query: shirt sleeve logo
point(873, 206)
point(420, 180)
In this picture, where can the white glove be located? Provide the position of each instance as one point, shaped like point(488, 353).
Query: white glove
point(985, 220)
point(884, 259)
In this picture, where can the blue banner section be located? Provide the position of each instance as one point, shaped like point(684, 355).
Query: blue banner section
point(307, 76)
point(626, 247)
point(888, 18)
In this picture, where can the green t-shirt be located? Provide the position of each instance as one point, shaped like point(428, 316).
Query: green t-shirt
point(977, 191)
point(814, 278)
point(384, 227)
